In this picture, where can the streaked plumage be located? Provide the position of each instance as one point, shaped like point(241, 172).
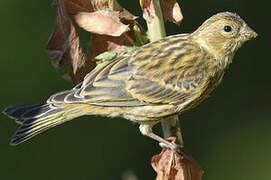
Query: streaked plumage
point(155, 81)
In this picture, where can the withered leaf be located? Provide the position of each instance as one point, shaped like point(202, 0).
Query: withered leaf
point(148, 10)
point(106, 4)
point(64, 46)
point(112, 5)
point(103, 43)
point(172, 11)
point(170, 165)
point(110, 24)
point(126, 15)
point(75, 6)
point(101, 22)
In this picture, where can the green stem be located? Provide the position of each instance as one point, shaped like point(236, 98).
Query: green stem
point(170, 126)
point(156, 28)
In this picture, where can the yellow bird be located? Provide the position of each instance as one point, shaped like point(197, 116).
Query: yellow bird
point(149, 84)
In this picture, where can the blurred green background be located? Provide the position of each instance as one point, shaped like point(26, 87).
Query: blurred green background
point(228, 134)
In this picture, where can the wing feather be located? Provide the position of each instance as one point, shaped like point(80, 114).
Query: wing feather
point(172, 79)
point(163, 72)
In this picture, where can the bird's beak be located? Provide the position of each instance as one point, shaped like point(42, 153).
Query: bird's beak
point(249, 33)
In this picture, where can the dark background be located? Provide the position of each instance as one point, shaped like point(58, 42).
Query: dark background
point(229, 133)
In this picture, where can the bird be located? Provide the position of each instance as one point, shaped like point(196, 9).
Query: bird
point(148, 85)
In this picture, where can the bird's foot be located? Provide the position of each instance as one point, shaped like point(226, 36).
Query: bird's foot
point(166, 144)
point(146, 130)
point(172, 146)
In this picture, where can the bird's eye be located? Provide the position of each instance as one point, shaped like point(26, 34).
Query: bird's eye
point(227, 28)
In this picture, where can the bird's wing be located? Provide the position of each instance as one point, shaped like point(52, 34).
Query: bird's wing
point(105, 86)
point(162, 72)
point(172, 73)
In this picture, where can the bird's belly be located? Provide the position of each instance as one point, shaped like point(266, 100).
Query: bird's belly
point(137, 113)
point(156, 112)
point(150, 113)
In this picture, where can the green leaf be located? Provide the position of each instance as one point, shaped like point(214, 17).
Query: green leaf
point(108, 55)
point(102, 64)
point(140, 39)
point(127, 48)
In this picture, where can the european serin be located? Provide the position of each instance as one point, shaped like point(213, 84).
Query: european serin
point(148, 85)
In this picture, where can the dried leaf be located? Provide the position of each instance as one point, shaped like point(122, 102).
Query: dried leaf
point(113, 5)
point(169, 165)
point(106, 4)
point(75, 6)
point(148, 10)
point(111, 25)
point(101, 22)
point(64, 46)
point(126, 15)
point(172, 11)
point(102, 43)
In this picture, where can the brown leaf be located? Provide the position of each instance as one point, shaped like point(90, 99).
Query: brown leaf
point(126, 15)
point(110, 24)
point(102, 43)
point(172, 11)
point(75, 6)
point(169, 165)
point(148, 10)
point(101, 22)
point(64, 46)
point(106, 4)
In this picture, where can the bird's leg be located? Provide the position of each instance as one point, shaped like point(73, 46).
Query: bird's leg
point(164, 142)
point(146, 129)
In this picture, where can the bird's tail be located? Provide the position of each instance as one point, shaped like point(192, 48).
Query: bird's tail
point(37, 118)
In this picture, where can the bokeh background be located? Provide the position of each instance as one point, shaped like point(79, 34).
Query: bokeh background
point(228, 134)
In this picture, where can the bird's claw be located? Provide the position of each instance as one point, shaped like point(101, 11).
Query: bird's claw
point(175, 147)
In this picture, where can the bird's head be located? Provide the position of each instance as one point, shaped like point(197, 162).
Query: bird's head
point(223, 33)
